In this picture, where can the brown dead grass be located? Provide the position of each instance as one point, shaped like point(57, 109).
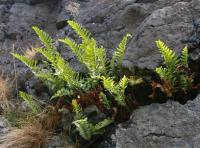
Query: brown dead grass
point(5, 92)
point(30, 135)
point(31, 53)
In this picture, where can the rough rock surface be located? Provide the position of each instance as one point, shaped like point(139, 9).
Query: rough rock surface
point(4, 127)
point(109, 20)
point(161, 126)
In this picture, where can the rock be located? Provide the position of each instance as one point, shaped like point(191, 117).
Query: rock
point(161, 126)
point(4, 126)
point(194, 49)
point(146, 20)
point(108, 20)
point(94, 114)
point(59, 142)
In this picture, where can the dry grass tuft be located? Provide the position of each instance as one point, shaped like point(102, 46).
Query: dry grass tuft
point(30, 135)
point(5, 92)
point(31, 53)
point(49, 118)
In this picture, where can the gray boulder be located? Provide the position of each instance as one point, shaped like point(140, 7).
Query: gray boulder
point(161, 126)
point(170, 21)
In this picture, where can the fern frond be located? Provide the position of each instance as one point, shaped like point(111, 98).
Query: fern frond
point(31, 63)
point(170, 58)
point(85, 128)
point(74, 47)
point(105, 100)
point(184, 57)
point(162, 72)
point(109, 84)
point(48, 55)
point(76, 107)
point(135, 80)
point(103, 124)
point(119, 52)
point(30, 100)
point(62, 92)
point(66, 73)
point(80, 30)
point(123, 83)
point(45, 38)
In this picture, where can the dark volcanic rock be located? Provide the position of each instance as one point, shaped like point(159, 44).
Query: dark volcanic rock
point(108, 20)
point(161, 126)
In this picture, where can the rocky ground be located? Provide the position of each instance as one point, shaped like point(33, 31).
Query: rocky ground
point(173, 21)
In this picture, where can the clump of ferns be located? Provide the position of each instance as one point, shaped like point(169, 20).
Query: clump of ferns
point(175, 75)
point(65, 81)
point(84, 126)
point(100, 80)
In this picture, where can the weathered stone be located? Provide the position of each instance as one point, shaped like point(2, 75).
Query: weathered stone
point(4, 126)
point(161, 126)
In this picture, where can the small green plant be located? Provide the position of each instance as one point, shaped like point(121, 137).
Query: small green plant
point(31, 102)
point(64, 81)
point(87, 129)
point(58, 74)
point(117, 90)
point(175, 75)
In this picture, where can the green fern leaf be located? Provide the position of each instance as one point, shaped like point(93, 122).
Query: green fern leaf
point(123, 83)
point(103, 124)
point(119, 52)
point(45, 38)
point(184, 57)
point(170, 58)
point(105, 101)
point(27, 61)
point(85, 128)
point(30, 100)
point(80, 30)
point(74, 47)
point(76, 106)
point(109, 84)
point(62, 92)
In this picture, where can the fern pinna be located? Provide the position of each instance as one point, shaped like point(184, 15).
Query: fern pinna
point(175, 74)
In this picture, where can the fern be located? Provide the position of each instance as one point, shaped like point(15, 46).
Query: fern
point(87, 129)
point(80, 30)
point(119, 52)
point(174, 72)
point(170, 58)
point(27, 61)
point(116, 89)
point(105, 100)
point(46, 40)
point(62, 92)
point(78, 110)
point(102, 124)
point(30, 100)
point(184, 57)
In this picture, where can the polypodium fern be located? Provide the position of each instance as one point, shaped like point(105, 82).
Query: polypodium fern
point(175, 73)
point(93, 56)
point(184, 57)
point(119, 53)
point(63, 79)
point(78, 110)
point(30, 100)
point(31, 63)
point(116, 89)
point(88, 53)
point(87, 129)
